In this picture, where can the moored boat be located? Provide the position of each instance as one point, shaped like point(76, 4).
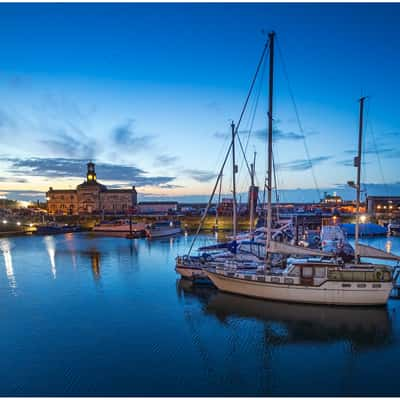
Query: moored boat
point(163, 228)
point(120, 227)
point(326, 280)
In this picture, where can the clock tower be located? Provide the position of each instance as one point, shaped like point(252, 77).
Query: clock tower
point(91, 173)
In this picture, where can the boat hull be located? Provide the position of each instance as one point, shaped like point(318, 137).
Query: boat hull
point(162, 232)
point(191, 273)
point(329, 293)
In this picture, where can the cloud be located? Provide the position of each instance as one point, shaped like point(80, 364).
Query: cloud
point(13, 180)
point(166, 160)
point(170, 186)
point(384, 152)
point(261, 134)
point(221, 135)
point(278, 134)
point(76, 168)
point(125, 136)
point(25, 195)
point(66, 145)
point(302, 165)
point(200, 175)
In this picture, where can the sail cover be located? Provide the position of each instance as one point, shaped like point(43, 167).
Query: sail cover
point(285, 248)
point(373, 252)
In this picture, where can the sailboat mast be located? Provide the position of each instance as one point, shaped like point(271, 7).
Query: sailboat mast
point(357, 163)
point(234, 206)
point(270, 120)
point(252, 202)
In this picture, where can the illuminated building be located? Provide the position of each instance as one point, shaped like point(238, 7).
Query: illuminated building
point(91, 197)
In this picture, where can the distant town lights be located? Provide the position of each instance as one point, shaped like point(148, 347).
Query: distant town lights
point(18, 223)
point(4, 221)
point(363, 218)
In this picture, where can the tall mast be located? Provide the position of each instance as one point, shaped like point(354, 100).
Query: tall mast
point(234, 168)
point(357, 163)
point(252, 202)
point(270, 120)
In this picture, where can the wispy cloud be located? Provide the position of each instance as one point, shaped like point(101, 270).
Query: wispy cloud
point(384, 152)
point(303, 164)
point(125, 136)
point(165, 160)
point(65, 144)
point(200, 175)
point(76, 168)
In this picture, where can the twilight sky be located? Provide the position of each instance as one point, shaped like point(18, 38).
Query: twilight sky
point(147, 91)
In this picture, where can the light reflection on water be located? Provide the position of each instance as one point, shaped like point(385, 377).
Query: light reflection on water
point(117, 321)
point(5, 247)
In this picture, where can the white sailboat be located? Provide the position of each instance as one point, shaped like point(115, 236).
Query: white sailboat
point(322, 279)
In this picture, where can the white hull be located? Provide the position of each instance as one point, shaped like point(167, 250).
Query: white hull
point(163, 232)
point(330, 292)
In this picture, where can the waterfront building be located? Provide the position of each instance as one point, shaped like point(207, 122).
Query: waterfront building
point(383, 207)
point(91, 197)
point(331, 199)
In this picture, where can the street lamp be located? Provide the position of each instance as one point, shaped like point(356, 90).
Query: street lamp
point(4, 221)
point(363, 218)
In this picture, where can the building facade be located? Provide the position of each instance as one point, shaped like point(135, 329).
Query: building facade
point(384, 207)
point(91, 197)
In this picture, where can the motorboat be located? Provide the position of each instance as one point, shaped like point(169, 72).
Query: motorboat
point(163, 228)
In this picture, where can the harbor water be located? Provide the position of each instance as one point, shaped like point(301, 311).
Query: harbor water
point(86, 315)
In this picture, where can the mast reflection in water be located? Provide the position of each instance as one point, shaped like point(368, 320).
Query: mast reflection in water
point(150, 334)
point(362, 327)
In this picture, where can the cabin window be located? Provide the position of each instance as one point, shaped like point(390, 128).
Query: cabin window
point(289, 280)
point(260, 278)
point(361, 285)
point(319, 272)
point(275, 280)
point(387, 276)
point(334, 275)
point(359, 275)
point(376, 285)
point(369, 276)
point(346, 285)
point(307, 272)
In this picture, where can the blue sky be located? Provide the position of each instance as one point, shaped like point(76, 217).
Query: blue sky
point(148, 92)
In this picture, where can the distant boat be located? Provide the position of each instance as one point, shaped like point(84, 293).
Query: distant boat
point(54, 229)
point(120, 227)
point(163, 228)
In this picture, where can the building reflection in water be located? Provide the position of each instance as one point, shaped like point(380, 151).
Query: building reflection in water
point(95, 259)
point(5, 247)
point(363, 328)
point(69, 239)
point(94, 256)
point(51, 251)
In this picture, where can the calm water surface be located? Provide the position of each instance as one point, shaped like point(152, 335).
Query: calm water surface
point(84, 315)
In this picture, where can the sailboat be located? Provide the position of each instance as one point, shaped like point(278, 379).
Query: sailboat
point(311, 275)
point(225, 255)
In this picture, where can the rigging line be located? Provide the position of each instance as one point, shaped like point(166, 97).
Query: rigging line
point(260, 63)
point(266, 46)
point(254, 113)
point(298, 118)
point(251, 120)
point(377, 152)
